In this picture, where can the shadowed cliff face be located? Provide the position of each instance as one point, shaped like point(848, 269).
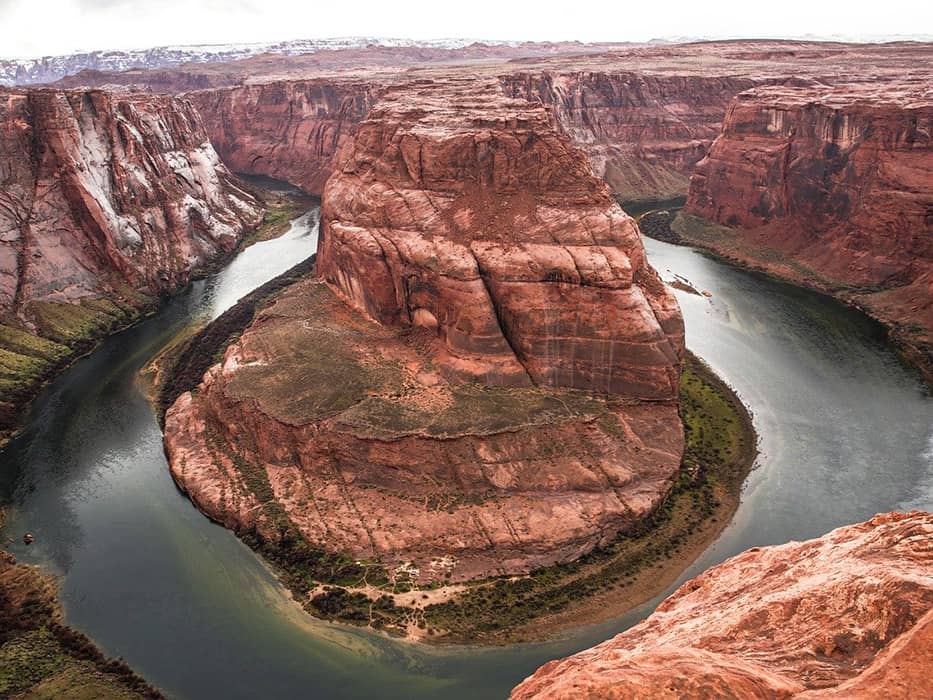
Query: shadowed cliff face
point(291, 130)
point(848, 615)
point(465, 212)
point(833, 187)
point(106, 202)
point(642, 133)
point(103, 190)
point(418, 407)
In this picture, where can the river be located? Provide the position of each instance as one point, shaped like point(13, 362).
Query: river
point(846, 431)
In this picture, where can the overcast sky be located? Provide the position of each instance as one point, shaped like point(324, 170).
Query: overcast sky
point(31, 28)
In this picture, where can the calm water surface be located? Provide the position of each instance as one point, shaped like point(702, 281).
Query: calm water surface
point(846, 431)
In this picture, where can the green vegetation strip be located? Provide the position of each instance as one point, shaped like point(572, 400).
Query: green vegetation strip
point(187, 365)
point(63, 333)
point(42, 658)
point(720, 449)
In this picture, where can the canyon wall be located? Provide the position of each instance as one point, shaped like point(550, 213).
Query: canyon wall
point(848, 615)
point(107, 201)
point(419, 405)
point(642, 133)
point(290, 130)
point(832, 187)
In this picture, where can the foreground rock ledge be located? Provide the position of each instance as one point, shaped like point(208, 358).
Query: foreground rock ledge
point(847, 615)
point(485, 383)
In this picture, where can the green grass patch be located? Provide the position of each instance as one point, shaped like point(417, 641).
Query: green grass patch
point(76, 325)
point(25, 343)
point(474, 410)
point(42, 658)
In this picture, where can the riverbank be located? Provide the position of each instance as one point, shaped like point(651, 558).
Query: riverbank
point(68, 332)
point(912, 338)
point(40, 657)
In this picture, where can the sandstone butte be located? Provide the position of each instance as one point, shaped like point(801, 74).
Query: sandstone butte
point(831, 187)
point(484, 379)
point(107, 201)
point(848, 615)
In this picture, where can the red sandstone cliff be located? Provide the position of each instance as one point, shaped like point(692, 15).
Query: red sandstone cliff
point(102, 190)
point(465, 212)
point(107, 201)
point(291, 130)
point(644, 115)
point(839, 183)
point(848, 615)
point(420, 408)
point(643, 133)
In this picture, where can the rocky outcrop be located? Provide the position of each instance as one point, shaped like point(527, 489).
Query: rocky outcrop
point(464, 212)
point(643, 133)
point(422, 408)
point(107, 201)
point(324, 428)
point(848, 615)
point(832, 187)
point(291, 130)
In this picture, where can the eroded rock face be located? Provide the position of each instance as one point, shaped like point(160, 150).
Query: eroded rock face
point(369, 452)
point(848, 615)
point(421, 406)
point(642, 133)
point(463, 211)
point(104, 191)
point(291, 130)
point(839, 182)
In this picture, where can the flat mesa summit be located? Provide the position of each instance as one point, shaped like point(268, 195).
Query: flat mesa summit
point(483, 379)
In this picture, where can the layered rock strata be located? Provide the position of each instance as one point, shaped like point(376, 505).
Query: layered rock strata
point(832, 187)
point(290, 130)
point(107, 201)
point(462, 211)
point(847, 615)
point(485, 382)
point(643, 133)
point(644, 115)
